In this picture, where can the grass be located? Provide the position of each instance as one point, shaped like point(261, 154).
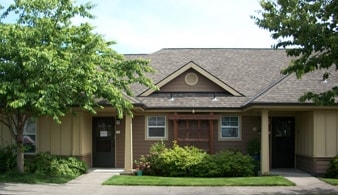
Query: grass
point(331, 181)
point(188, 181)
point(15, 177)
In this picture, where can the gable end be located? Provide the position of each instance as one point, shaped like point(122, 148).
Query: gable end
point(192, 79)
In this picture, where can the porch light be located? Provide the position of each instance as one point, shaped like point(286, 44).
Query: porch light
point(171, 98)
point(214, 98)
point(118, 122)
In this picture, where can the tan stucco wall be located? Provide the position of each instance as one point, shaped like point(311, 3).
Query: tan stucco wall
point(304, 134)
point(325, 133)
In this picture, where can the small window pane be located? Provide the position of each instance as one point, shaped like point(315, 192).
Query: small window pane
point(30, 127)
point(156, 121)
point(229, 132)
point(29, 143)
point(152, 121)
point(29, 136)
point(160, 121)
point(156, 132)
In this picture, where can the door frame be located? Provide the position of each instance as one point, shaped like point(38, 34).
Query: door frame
point(113, 118)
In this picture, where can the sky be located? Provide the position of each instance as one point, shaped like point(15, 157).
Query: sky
point(146, 26)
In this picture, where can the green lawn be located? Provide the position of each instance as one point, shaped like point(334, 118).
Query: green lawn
point(14, 177)
point(188, 181)
point(330, 181)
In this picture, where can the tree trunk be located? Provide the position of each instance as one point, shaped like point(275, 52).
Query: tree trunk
point(20, 151)
point(20, 159)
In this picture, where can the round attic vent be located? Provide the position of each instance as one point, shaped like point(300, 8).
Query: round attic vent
point(191, 79)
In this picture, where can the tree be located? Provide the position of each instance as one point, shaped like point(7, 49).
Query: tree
point(49, 65)
point(308, 30)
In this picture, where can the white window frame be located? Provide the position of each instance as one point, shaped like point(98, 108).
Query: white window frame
point(25, 133)
point(239, 130)
point(148, 137)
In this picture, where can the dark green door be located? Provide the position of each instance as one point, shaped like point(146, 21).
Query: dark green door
point(283, 142)
point(104, 142)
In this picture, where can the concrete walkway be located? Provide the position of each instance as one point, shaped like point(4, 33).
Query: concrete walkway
point(91, 184)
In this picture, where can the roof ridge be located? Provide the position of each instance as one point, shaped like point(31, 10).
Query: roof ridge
point(278, 81)
point(230, 48)
point(205, 48)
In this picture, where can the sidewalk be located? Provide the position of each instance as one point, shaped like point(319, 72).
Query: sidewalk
point(91, 184)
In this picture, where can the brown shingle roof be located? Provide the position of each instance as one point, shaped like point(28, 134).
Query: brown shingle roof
point(290, 89)
point(254, 73)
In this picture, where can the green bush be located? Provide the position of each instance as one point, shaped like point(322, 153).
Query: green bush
point(48, 164)
point(149, 163)
point(7, 158)
point(206, 168)
point(189, 161)
point(234, 164)
point(180, 161)
point(332, 171)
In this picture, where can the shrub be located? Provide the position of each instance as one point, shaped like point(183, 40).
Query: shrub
point(206, 168)
point(234, 164)
point(189, 161)
point(7, 158)
point(48, 164)
point(332, 171)
point(149, 163)
point(181, 161)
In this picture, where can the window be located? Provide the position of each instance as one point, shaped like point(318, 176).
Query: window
point(230, 127)
point(191, 79)
point(156, 127)
point(29, 136)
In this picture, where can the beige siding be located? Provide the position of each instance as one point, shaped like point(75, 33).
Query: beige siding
point(71, 137)
point(86, 133)
point(316, 133)
point(43, 134)
point(304, 134)
point(55, 137)
point(66, 136)
point(5, 136)
point(76, 125)
point(331, 134)
point(325, 133)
